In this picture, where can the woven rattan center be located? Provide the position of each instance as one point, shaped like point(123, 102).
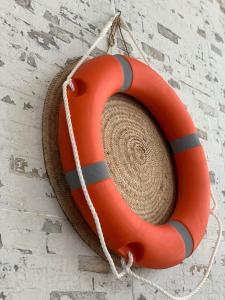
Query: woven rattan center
point(138, 159)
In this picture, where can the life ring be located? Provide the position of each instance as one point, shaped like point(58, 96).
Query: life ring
point(152, 246)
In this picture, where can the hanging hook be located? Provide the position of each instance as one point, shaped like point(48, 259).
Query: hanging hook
point(116, 25)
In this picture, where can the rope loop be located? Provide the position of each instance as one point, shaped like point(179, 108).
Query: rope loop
point(128, 265)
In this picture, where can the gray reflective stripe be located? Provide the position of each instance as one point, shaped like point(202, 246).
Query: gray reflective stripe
point(92, 173)
point(185, 142)
point(185, 236)
point(127, 72)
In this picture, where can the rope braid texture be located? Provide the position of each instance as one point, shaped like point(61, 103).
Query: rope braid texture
point(114, 23)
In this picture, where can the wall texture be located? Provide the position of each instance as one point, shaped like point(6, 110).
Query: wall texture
point(41, 257)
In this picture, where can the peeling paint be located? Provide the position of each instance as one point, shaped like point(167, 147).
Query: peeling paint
point(8, 100)
point(3, 296)
point(174, 83)
point(50, 17)
point(97, 52)
point(201, 32)
point(50, 195)
point(202, 134)
point(222, 107)
point(223, 261)
point(218, 38)
point(167, 33)
point(15, 46)
point(49, 251)
point(22, 56)
point(77, 295)
point(222, 5)
point(16, 268)
point(168, 69)
point(61, 34)
point(19, 166)
point(141, 297)
point(216, 50)
point(208, 77)
point(27, 106)
point(207, 109)
point(1, 244)
point(93, 264)
point(92, 27)
point(156, 54)
point(24, 251)
point(44, 39)
point(5, 270)
point(25, 4)
point(85, 2)
point(212, 177)
point(51, 226)
point(31, 61)
point(198, 269)
point(70, 15)
point(47, 248)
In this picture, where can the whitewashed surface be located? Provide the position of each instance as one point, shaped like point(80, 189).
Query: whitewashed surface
point(41, 257)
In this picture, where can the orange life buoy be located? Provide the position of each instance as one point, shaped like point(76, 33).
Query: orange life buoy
point(153, 246)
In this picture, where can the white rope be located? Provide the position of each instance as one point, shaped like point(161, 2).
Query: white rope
point(126, 266)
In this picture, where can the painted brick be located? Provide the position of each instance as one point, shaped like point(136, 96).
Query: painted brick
point(93, 264)
point(8, 100)
point(121, 45)
point(156, 54)
point(51, 226)
point(216, 50)
point(24, 3)
point(201, 32)
point(208, 110)
point(212, 177)
point(202, 134)
point(1, 244)
point(222, 107)
point(44, 39)
point(174, 83)
point(218, 38)
point(167, 33)
point(1, 63)
point(50, 17)
point(77, 295)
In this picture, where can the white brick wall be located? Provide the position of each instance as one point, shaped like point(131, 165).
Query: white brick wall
point(41, 257)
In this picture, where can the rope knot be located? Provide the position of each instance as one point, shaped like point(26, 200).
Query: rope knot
point(128, 265)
